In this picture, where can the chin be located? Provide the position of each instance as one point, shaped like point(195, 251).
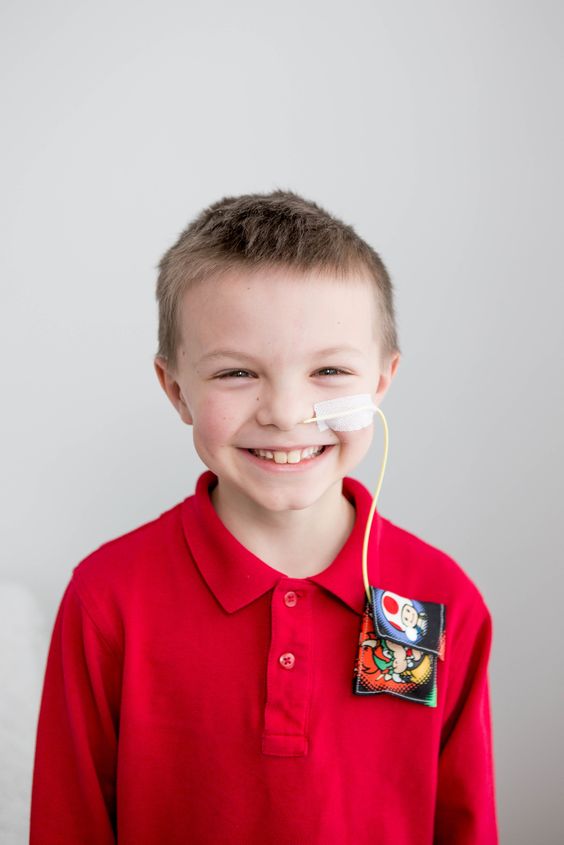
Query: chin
point(290, 500)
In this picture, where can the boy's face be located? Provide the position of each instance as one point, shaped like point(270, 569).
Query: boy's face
point(273, 326)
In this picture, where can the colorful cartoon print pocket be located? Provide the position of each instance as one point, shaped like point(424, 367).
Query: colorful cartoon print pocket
point(399, 644)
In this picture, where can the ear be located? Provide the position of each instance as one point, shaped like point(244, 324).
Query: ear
point(386, 375)
point(172, 389)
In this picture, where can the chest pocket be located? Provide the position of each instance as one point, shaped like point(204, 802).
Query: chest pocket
point(400, 641)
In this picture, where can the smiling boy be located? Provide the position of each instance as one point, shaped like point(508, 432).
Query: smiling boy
point(199, 681)
point(266, 345)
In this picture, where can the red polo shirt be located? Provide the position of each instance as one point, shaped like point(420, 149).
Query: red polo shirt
point(194, 694)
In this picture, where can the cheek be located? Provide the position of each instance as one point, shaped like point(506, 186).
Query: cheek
point(359, 441)
point(215, 420)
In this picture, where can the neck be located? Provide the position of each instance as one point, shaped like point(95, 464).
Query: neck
point(298, 543)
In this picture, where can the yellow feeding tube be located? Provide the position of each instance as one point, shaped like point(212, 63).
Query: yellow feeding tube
point(344, 413)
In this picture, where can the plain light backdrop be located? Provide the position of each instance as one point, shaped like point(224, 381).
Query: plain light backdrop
point(436, 130)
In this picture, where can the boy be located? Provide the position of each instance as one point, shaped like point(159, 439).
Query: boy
point(199, 686)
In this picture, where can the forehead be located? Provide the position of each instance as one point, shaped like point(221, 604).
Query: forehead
point(277, 312)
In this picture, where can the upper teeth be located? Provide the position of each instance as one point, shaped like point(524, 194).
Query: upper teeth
point(293, 457)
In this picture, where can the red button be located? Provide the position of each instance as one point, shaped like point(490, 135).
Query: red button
point(290, 599)
point(287, 660)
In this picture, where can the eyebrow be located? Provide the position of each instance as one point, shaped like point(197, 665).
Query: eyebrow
point(231, 353)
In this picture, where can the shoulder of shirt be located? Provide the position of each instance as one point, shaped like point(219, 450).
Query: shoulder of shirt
point(420, 562)
point(102, 578)
point(126, 549)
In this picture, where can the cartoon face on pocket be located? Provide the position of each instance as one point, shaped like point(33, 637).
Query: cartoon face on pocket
point(403, 615)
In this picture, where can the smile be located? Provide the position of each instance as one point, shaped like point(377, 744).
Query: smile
point(293, 457)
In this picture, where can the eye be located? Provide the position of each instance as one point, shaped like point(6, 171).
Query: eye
point(233, 374)
point(334, 370)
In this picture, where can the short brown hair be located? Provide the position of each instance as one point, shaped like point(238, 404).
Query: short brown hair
point(266, 230)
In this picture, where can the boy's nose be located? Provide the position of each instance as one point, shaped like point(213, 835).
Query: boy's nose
point(284, 410)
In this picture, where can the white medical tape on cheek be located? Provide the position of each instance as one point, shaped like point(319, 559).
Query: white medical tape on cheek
point(359, 410)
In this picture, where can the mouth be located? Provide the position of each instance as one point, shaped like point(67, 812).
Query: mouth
point(293, 456)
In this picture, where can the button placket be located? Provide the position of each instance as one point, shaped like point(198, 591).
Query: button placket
point(289, 670)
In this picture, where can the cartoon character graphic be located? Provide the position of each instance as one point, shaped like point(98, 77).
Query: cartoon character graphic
point(395, 666)
point(404, 615)
point(389, 661)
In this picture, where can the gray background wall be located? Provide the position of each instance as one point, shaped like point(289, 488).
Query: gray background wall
point(436, 129)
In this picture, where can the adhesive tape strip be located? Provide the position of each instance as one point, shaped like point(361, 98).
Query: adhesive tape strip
point(348, 413)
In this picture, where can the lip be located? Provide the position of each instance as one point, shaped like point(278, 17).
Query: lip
point(303, 466)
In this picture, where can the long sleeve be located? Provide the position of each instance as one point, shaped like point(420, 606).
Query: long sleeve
point(465, 813)
point(74, 795)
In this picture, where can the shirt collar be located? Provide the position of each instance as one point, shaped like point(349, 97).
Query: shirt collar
point(237, 577)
